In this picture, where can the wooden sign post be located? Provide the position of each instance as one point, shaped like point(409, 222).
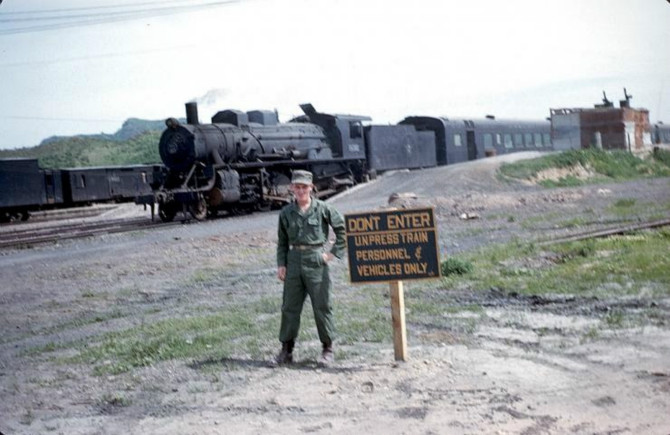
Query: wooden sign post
point(393, 246)
point(398, 320)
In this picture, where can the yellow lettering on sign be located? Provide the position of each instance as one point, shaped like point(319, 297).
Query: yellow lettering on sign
point(382, 254)
point(408, 221)
point(372, 270)
point(415, 268)
point(376, 239)
point(415, 237)
point(363, 224)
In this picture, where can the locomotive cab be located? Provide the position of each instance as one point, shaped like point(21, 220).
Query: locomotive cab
point(345, 132)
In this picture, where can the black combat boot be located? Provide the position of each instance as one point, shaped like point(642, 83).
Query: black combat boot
point(327, 357)
point(286, 354)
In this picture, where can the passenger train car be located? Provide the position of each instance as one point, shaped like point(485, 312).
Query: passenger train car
point(461, 140)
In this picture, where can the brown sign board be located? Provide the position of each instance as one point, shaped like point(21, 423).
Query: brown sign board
point(392, 245)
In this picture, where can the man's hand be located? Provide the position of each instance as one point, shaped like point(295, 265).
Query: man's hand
point(281, 273)
point(327, 256)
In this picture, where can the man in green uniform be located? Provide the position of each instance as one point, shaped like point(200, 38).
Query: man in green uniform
point(302, 262)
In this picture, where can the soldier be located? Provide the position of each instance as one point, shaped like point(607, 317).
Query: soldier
point(302, 262)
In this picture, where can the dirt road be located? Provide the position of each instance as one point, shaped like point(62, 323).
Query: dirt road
point(502, 364)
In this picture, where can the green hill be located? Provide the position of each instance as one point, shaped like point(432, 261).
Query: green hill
point(136, 142)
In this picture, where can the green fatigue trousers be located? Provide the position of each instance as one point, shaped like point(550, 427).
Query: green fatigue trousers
point(306, 274)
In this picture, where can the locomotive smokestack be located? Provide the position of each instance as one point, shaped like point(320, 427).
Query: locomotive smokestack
point(192, 113)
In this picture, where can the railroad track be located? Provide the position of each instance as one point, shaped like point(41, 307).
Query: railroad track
point(42, 216)
point(25, 237)
point(21, 236)
point(622, 229)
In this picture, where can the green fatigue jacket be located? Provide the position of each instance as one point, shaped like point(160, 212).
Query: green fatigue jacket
point(301, 237)
point(310, 228)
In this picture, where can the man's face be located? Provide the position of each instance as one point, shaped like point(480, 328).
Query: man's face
point(301, 191)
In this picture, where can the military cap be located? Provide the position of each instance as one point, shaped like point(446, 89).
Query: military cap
point(301, 177)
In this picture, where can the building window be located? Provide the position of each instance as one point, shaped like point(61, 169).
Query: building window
point(518, 140)
point(538, 140)
point(498, 139)
point(458, 140)
point(547, 139)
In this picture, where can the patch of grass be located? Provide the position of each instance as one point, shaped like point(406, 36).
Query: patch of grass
point(662, 156)
point(607, 165)
point(567, 181)
point(87, 293)
point(234, 330)
point(456, 266)
point(365, 318)
point(625, 203)
point(584, 249)
point(205, 275)
point(71, 324)
point(539, 221)
point(573, 222)
point(624, 265)
point(36, 350)
point(615, 319)
point(627, 207)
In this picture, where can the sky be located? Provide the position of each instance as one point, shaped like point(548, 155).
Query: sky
point(84, 66)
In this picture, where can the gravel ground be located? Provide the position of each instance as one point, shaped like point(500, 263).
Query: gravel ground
point(526, 368)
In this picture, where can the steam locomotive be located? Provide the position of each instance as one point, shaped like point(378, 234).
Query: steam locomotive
point(242, 162)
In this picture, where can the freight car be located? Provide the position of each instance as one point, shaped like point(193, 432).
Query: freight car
point(106, 184)
point(26, 188)
point(243, 161)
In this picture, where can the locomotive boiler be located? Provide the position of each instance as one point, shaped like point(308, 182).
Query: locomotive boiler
point(243, 160)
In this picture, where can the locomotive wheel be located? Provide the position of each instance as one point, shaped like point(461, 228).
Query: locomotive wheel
point(167, 211)
point(199, 210)
point(264, 206)
point(240, 211)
